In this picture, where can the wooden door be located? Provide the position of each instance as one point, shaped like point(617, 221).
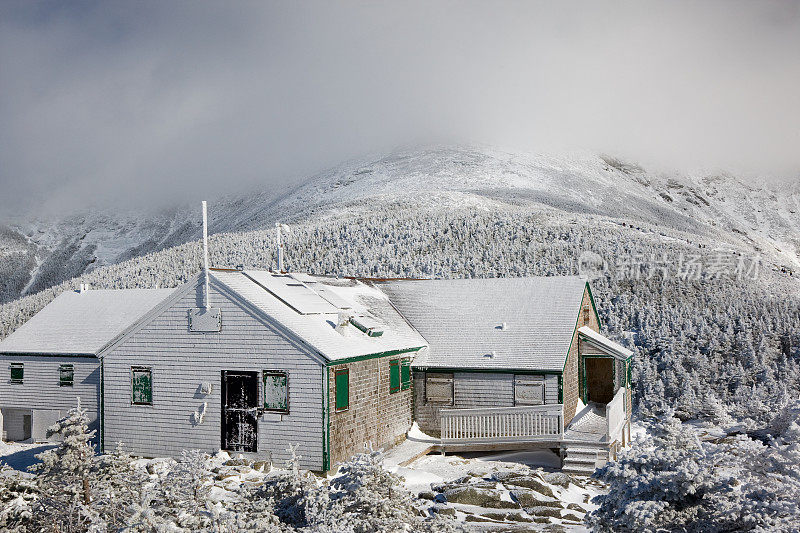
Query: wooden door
point(599, 378)
point(239, 411)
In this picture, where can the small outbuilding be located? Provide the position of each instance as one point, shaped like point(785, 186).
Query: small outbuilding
point(54, 358)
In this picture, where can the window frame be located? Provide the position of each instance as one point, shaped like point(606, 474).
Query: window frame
point(394, 376)
point(285, 375)
point(336, 374)
point(405, 374)
point(530, 380)
point(140, 368)
point(61, 369)
point(21, 368)
point(438, 376)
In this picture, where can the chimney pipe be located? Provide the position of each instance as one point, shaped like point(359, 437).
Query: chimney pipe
point(205, 253)
point(280, 246)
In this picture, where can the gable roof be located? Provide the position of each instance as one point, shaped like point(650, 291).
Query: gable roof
point(605, 344)
point(82, 323)
point(461, 320)
point(309, 306)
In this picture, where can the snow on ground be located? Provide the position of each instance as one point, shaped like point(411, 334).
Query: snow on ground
point(20, 455)
point(508, 491)
point(499, 491)
point(512, 491)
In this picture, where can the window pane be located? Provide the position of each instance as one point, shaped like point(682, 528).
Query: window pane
point(17, 372)
point(276, 391)
point(66, 375)
point(142, 385)
point(342, 390)
point(394, 375)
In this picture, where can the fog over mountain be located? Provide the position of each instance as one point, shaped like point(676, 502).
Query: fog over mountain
point(148, 104)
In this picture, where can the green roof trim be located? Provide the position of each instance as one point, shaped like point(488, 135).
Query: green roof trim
point(448, 370)
point(357, 358)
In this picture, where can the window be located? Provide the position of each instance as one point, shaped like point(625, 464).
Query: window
point(585, 314)
point(394, 375)
point(66, 375)
point(439, 389)
point(529, 390)
point(141, 385)
point(405, 374)
point(342, 389)
point(17, 372)
point(276, 391)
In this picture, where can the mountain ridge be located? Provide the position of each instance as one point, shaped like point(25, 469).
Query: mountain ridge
point(719, 209)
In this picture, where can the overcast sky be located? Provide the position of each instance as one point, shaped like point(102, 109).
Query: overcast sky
point(151, 101)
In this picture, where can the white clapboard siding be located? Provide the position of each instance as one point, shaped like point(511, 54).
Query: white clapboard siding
point(182, 361)
point(474, 390)
point(484, 389)
point(40, 389)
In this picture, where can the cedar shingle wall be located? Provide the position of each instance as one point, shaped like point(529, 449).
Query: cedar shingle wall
point(181, 361)
point(572, 387)
point(374, 416)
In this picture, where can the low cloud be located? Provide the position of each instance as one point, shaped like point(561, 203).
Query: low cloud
point(142, 103)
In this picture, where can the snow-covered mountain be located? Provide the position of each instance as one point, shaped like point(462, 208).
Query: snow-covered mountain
point(714, 210)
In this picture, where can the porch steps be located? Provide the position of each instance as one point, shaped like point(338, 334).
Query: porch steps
point(583, 460)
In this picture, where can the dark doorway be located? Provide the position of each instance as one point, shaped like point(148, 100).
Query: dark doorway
point(26, 427)
point(599, 378)
point(239, 411)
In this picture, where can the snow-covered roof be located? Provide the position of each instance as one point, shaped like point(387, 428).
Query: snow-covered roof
point(309, 307)
point(496, 323)
point(617, 350)
point(82, 323)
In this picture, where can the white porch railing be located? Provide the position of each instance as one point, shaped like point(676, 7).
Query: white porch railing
point(615, 416)
point(502, 424)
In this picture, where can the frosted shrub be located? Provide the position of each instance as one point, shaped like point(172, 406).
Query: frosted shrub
point(17, 496)
point(373, 495)
point(65, 478)
point(675, 482)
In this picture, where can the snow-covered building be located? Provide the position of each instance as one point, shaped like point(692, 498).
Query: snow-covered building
point(55, 357)
point(516, 362)
point(321, 364)
point(260, 361)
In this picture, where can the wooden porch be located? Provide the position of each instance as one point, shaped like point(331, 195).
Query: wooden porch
point(498, 428)
point(591, 438)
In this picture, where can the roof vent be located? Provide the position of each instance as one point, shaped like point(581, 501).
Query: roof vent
point(490, 355)
point(502, 327)
point(341, 324)
point(83, 287)
point(367, 326)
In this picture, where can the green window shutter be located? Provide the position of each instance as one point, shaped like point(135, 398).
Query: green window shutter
point(405, 374)
point(276, 391)
point(17, 372)
point(394, 375)
point(342, 389)
point(141, 385)
point(630, 374)
point(66, 375)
